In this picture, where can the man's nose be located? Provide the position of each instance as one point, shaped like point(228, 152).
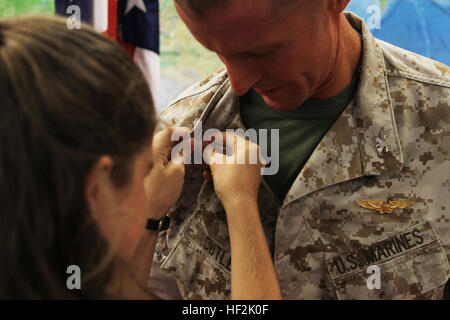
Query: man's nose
point(243, 74)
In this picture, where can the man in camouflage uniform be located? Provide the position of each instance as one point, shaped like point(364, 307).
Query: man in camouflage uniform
point(375, 190)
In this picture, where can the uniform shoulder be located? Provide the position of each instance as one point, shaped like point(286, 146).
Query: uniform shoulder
point(190, 104)
point(404, 63)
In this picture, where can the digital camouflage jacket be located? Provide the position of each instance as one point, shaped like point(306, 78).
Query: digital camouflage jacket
point(375, 191)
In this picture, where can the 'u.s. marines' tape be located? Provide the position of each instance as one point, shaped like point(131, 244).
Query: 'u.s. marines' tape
point(389, 248)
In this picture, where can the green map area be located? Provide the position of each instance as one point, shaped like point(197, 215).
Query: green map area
point(183, 60)
point(11, 8)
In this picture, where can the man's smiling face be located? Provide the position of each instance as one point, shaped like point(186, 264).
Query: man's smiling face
point(285, 53)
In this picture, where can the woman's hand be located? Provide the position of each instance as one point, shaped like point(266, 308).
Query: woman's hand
point(236, 183)
point(235, 177)
point(165, 181)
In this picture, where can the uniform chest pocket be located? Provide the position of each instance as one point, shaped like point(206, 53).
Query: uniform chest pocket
point(408, 265)
point(200, 261)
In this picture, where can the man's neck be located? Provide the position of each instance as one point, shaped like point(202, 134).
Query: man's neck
point(346, 64)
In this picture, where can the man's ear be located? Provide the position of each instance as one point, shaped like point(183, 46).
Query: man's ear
point(97, 187)
point(337, 6)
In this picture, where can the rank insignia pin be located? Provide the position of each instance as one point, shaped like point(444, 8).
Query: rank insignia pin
point(381, 145)
point(382, 207)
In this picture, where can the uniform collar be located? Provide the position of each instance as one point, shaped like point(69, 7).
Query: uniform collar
point(349, 149)
point(373, 110)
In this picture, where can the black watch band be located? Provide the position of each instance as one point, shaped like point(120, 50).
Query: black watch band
point(159, 225)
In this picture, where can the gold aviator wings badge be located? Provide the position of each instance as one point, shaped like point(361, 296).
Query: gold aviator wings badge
point(383, 207)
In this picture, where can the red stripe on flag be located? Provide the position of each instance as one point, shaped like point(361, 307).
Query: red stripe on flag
point(112, 20)
point(113, 32)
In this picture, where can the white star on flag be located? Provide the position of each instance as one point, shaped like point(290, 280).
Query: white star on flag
point(135, 3)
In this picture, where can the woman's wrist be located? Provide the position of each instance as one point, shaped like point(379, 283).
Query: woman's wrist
point(241, 208)
point(158, 213)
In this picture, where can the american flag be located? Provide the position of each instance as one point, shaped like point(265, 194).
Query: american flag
point(134, 24)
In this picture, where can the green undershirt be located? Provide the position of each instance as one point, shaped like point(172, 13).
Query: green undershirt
point(300, 130)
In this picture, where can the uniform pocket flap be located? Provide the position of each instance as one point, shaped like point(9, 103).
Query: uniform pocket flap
point(201, 271)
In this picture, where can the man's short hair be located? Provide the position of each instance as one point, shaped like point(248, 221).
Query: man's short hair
point(199, 8)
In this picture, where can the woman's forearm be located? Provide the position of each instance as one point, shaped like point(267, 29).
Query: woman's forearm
point(131, 277)
point(143, 257)
point(252, 273)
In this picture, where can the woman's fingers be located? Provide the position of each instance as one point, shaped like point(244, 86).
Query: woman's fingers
point(212, 157)
point(169, 137)
point(175, 168)
point(165, 140)
point(231, 148)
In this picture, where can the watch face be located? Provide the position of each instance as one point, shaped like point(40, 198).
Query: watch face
point(153, 224)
